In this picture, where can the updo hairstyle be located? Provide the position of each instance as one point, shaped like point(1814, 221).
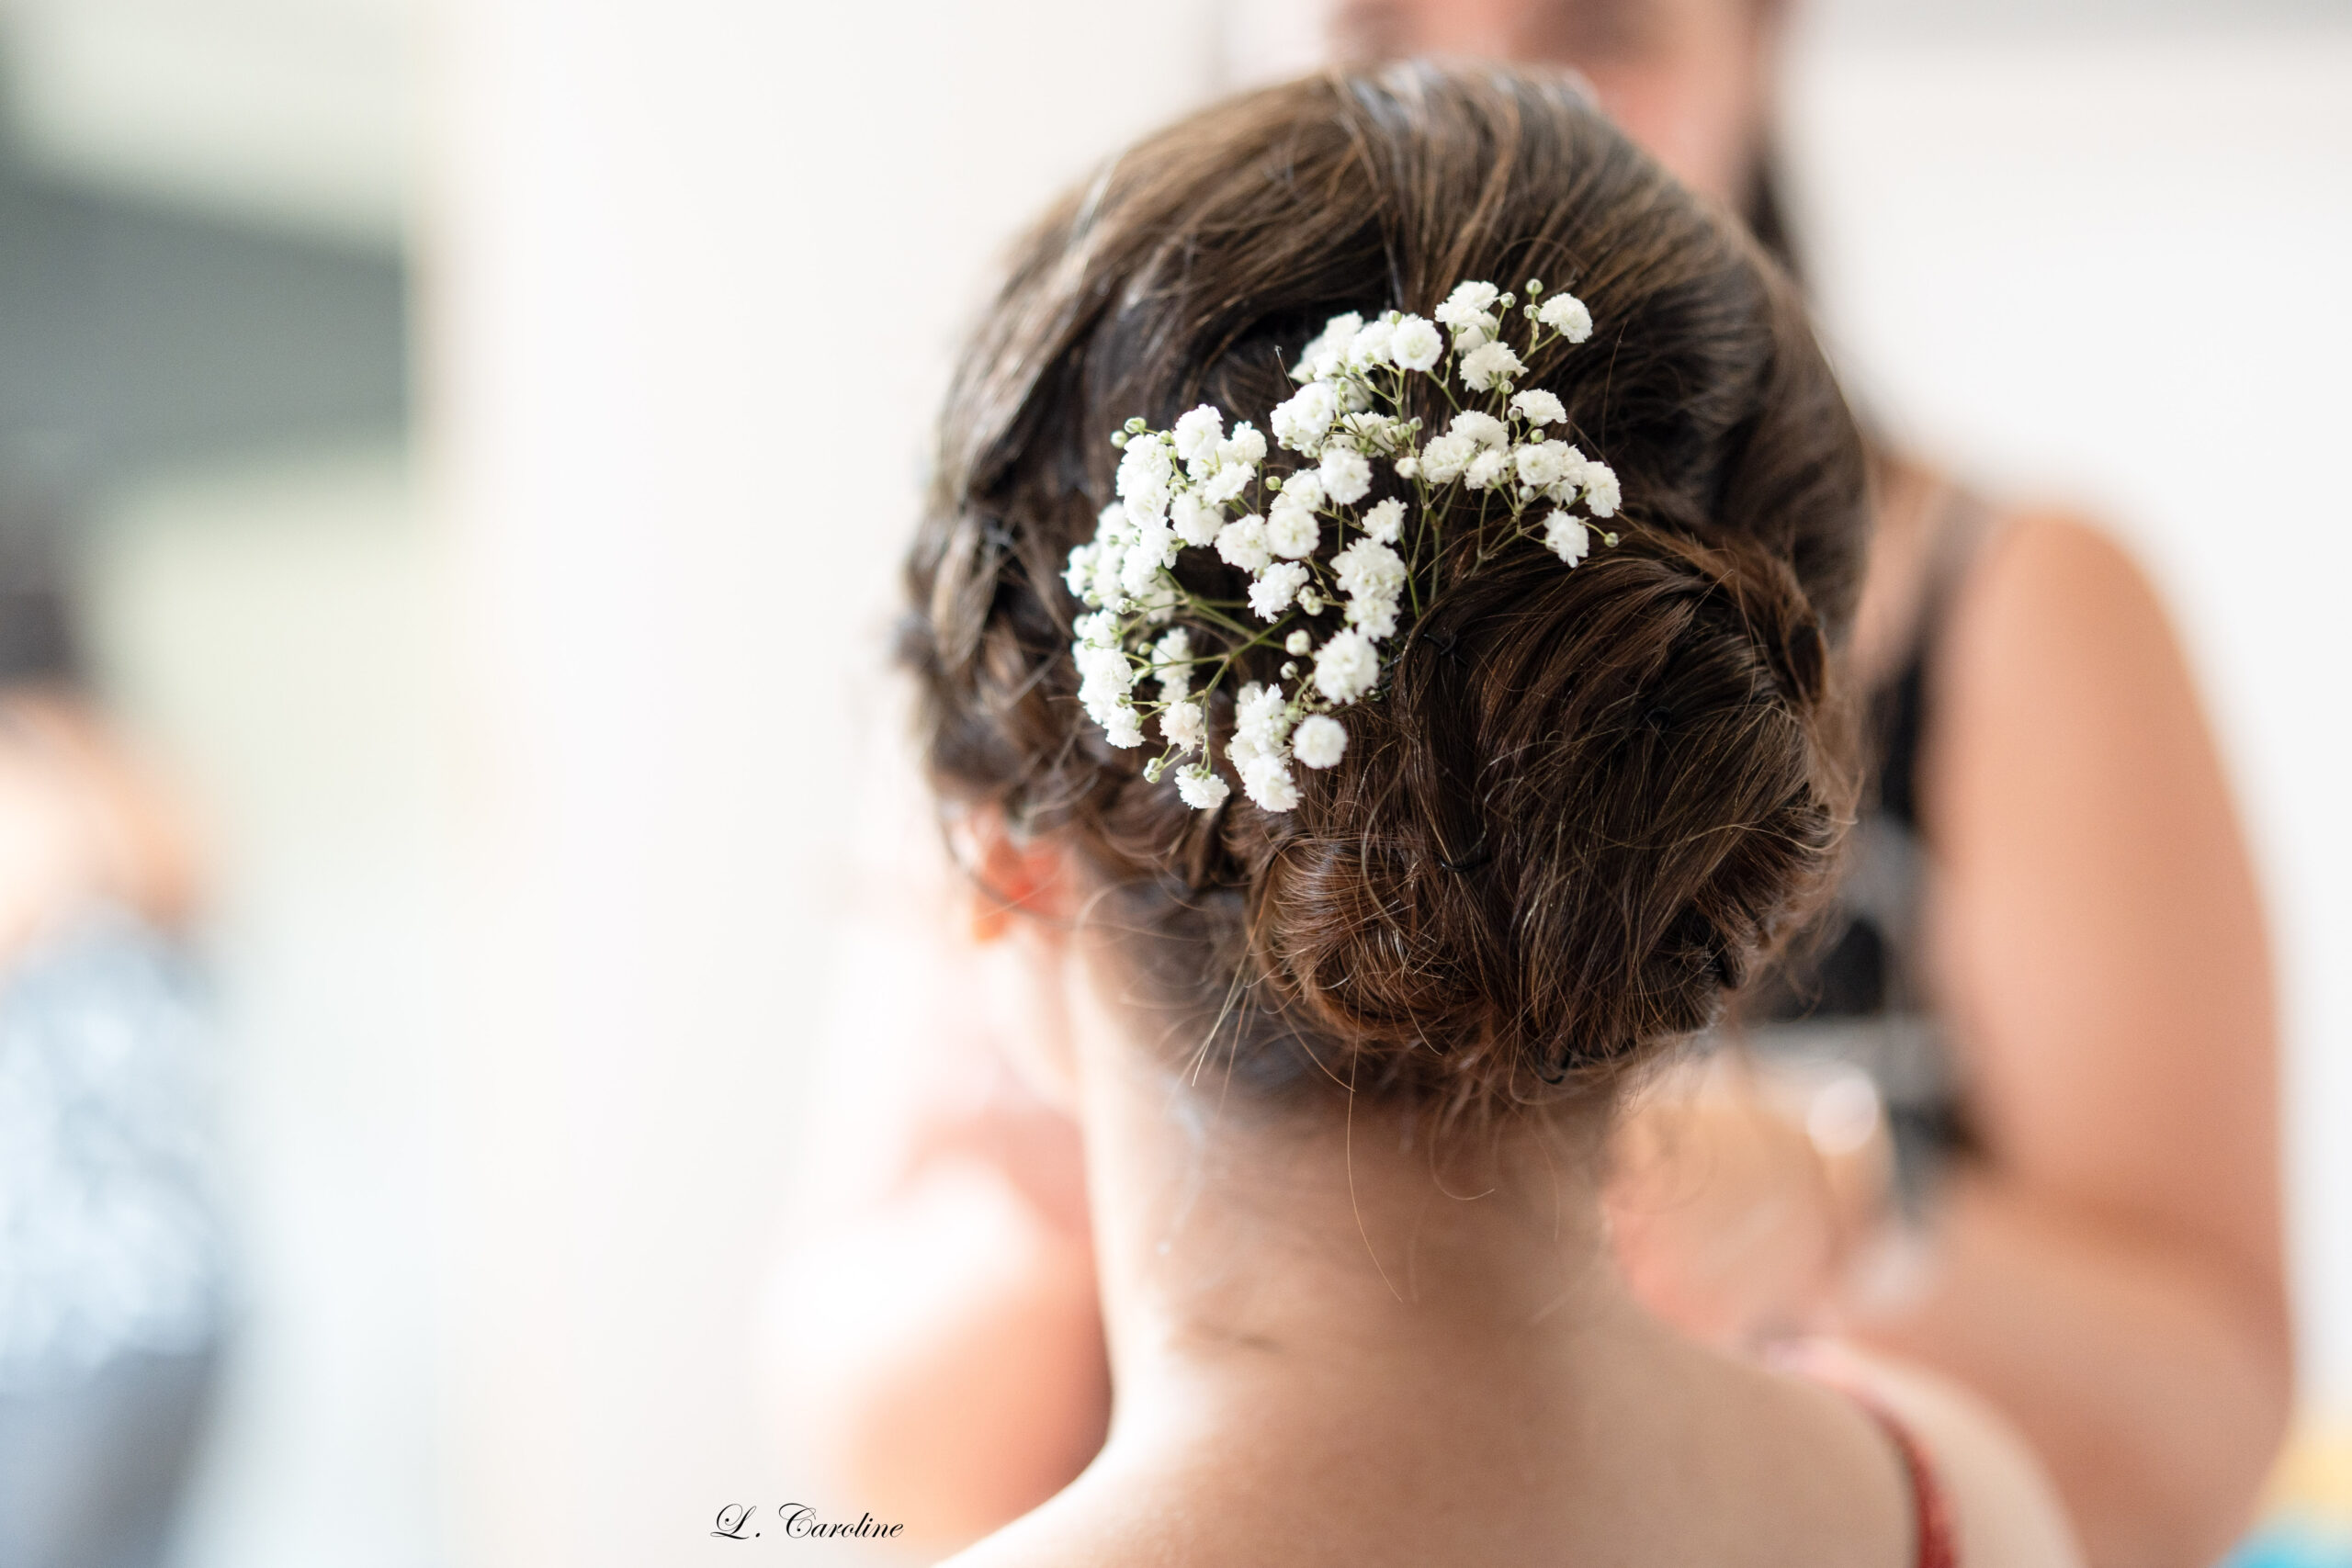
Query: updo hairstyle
point(1588, 803)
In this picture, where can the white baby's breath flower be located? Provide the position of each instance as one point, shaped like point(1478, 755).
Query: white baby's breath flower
point(1467, 301)
point(1337, 334)
point(1109, 562)
point(1346, 475)
point(1260, 755)
point(1201, 789)
point(1565, 314)
point(1111, 525)
point(1416, 345)
point(1292, 531)
point(1565, 488)
point(1369, 567)
point(1103, 678)
point(1184, 724)
point(1154, 548)
point(1275, 587)
point(1301, 420)
point(1538, 407)
point(1124, 727)
point(1491, 364)
point(1371, 345)
point(1174, 487)
point(1474, 298)
point(1483, 428)
point(1467, 311)
point(1105, 673)
point(1242, 543)
point(1102, 664)
point(1303, 490)
point(1079, 574)
point(1601, 496)
point(1227, 483)
point(1171, 658)
point(1322, 355)
point(1543, 464)
point(1320, 742)
point(1347, 667)
point(1443, 459)
point(1567, 537)
point(1268, 781)
point(1260, 716)
point(1144, 472)
point(1198, 432)
point(1373, 615)
point(1244, 447)
point(1194, 520)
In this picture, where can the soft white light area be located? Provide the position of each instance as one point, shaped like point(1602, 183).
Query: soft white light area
point(264, 630)
point(692, 270)
point(2110, 271)
point(293, 111)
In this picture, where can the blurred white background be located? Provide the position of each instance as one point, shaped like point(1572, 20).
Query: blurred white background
point(527, 746)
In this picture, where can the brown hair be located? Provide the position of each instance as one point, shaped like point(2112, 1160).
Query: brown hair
point(1588, 801)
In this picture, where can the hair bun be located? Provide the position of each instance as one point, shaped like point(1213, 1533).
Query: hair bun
point(1590, 803)
point(1588, 800)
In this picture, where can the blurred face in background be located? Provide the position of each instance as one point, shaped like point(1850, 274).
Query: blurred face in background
point(1688, 79)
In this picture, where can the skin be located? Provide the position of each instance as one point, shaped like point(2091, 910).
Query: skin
point(2107, 1272)
point(1425, 1351)
point(80, 823)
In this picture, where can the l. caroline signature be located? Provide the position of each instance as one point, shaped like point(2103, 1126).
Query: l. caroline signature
point(799, 1521)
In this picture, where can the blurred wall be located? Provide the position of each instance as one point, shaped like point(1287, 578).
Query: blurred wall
point(691, 274)
point(268, 630)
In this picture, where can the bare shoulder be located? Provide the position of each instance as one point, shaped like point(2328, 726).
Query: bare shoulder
point(1069, 1533)
point(2005, 1511)
point(2055, 613)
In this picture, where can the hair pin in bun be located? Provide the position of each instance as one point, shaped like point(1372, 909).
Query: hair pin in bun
point(1202, 486)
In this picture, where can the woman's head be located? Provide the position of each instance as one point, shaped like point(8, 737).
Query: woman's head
point(1689, 80)
point(1588, 800)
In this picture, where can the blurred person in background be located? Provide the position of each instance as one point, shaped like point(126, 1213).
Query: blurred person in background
point(2061, 1185)
point(111, 1263)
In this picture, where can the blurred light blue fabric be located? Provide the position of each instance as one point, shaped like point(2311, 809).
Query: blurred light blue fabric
point(2291, 1543)
point(112, 1262)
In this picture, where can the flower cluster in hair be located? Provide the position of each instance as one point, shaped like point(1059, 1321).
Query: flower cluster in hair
point(1148, 647)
